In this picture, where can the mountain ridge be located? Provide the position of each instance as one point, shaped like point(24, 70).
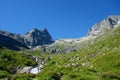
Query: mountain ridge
point(74, 44)
point(31, 39)
point(93, 57)
point(104, 25)
point(41, 39)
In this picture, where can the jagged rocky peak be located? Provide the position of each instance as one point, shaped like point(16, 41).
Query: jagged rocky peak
point(101, 27)
point(37, 37)
point(35, 30)
point(44, 30)
point(45, 33)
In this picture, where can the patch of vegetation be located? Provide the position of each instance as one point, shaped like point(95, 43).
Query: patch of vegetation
point(10, 61)
point(98, 61)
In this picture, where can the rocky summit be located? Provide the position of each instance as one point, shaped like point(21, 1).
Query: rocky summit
point(31, 39)
point(37, 37)
point(109, 23)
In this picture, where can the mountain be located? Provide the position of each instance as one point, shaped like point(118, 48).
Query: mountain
point(97, 61)
point(37, 37)
point(41, 39)
point(100, 28)
point(31, 39)
point(17, 37)
point(93, 57)
point(12, 40)
point(10, 43)
point(71, 45)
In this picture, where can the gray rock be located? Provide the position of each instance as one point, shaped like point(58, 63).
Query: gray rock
point(37, 37)
point(109, 23)
point(17, 37)
point(24, 70)
point(10, 43)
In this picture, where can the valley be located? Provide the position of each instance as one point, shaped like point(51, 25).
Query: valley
point(38, 57)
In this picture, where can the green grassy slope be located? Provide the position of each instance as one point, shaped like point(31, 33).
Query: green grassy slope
point(100, 61)
point(10, 61)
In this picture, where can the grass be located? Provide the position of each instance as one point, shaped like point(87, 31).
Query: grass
point(11, 60)
point(98, 61)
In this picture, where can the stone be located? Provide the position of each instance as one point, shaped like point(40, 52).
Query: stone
point(24, 70)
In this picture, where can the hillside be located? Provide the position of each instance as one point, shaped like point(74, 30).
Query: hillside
point(94, 57)
point(99, 61)
point(71, 45)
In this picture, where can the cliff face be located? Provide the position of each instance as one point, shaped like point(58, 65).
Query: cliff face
point(10, 43)
point(37, 37)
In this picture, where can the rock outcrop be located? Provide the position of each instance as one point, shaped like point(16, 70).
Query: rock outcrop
point(100, 28)
point(37, 37)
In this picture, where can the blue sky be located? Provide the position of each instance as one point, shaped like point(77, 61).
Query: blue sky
point(62, 18)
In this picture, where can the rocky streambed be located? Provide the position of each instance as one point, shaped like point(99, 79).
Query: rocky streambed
point(30, 69)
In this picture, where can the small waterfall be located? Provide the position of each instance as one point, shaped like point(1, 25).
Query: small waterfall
point(37, 69)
